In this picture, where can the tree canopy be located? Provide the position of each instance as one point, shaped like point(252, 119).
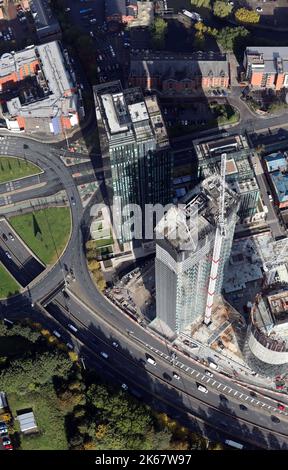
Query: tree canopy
point(222, 9)
point(247, 16)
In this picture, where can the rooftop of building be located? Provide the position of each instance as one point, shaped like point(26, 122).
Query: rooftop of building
point(276, 161)
point(271, 59)
point(279, 180)
point(129, 115)
point(145, 15)
point(118, 7)
point(270, 314)
point(46, 91)
point(178, 66)
point(42, 14)
point(206, 147)
point(188, 225)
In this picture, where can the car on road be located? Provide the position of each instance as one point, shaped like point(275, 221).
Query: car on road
point(281, 407)
point(11, 236)
point(223, 398)
point(243, 407)
point(213, 365)
point(115, 344)
point(8, 255)
point(8, 447)
point(70, 346)
point(259, 9)
point(67, 9)
point(6, 440)
point(275, 419)
point(57, 334)
point(207, 372)
point(104, 354)
point(201, 388)
point(124, 386)
point(72, 327)
point(73, 201)
point(151, 361)
point(176, 376)
point(4, 237)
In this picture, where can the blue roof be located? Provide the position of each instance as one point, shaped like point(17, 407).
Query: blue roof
point(274, 161)
point(280, 184)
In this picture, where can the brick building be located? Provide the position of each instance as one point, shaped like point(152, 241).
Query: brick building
point(123, 11)
point(37, 92)
point(267, 67)
point(179, 74)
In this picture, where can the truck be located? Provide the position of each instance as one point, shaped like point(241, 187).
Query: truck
point(85, 10)
point(192, 15)
point(230, 443)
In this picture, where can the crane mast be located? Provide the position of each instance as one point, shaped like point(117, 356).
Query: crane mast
point(220, 235)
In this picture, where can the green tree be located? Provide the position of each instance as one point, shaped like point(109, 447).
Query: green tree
point(247, 16)
point(228, 37)
point(222, 9)
point(158, 33)
point(201, 3)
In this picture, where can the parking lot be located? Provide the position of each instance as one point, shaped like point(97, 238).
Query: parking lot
point(16, 257)
point(111, 57)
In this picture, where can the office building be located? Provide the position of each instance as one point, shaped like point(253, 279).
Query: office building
point(185, 255)
point(267, 67)
point(181, 74)
point(37, 91)
point(133, 136)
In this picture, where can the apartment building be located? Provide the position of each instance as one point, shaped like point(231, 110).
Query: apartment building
point(267, 67)
point(123, 11)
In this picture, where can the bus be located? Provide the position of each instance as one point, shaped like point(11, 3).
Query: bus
point(234, 444)
point(85, 10)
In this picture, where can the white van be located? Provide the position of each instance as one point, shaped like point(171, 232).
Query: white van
point(213, 365)
point(104, 354)
point(150, 360)
point(72, 327)
point(57, 334)
point(202, 389)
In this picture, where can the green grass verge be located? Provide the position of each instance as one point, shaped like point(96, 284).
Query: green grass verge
point(8, 285)
point(15, 168)
point(49, 419)
point(45, 231)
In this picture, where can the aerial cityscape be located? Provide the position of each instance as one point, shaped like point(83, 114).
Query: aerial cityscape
point(143, 227)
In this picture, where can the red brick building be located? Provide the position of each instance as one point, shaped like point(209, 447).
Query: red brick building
point(123, 11)
point(267, 67)
point(179, 74)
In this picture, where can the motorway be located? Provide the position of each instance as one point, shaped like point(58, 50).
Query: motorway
point(99, 323)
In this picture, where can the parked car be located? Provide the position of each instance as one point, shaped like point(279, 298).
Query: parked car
point(281, 407)
point(11, 236)
point(5, 440)
point(115, 344)
point(207, 372)
point(176, 376)
point(4, 237)
point(8, 254)
point(124, 386)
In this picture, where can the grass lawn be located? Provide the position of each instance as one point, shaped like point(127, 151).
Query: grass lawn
point(14, 168)
point(49, 419)
point(45, 231)
point(8, 285)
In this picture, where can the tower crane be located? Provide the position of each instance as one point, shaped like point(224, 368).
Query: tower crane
point(220, 235)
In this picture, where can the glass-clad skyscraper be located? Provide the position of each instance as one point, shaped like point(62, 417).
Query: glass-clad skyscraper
point(134, 137)
point(184, 254)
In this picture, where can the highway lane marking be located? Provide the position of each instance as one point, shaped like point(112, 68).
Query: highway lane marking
point(229, 391)
point(252, 400)
point(182, 365)
point(192, 372)
point(188, 368)
point(240, 396)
